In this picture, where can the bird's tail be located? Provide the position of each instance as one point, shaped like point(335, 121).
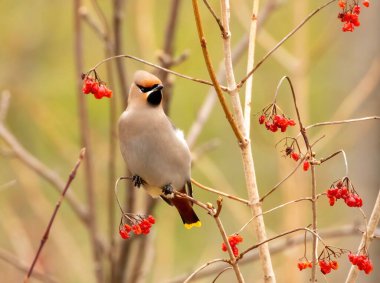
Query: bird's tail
point(187, 213)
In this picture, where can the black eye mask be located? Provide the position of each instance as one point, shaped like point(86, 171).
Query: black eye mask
point(147, 89)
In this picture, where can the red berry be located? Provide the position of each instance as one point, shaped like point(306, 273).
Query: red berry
point(235, 251)
point(342, 4)
point(291, 122)
point(300, 266)
point(101, 92)
point(136, 229)
point(350, 201)
point(87, 85)
point(356, 10)
point(273, 128)
point(332, 201)
point(268, 125)
point(95, 88)
point(334, 264)
point(366, 3)
point(224, 247)
point(108, 93)
point(124, 234)
point(151, 219)
point(306, 165)
point(262, 119)
point(127, 228)
point(295, 156)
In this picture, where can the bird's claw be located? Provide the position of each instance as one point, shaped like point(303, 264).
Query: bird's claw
point(137, 181)
point(168, 191)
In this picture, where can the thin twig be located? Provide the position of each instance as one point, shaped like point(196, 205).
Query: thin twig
point(367, 237)
point(279, 236)
point(58, 205)
point(217, 19)
point(193, 274)
point(313, 177)
point(250, 64)
point(331, 123)
point(275, 208)
point(239, 135)
point(334, 154)
point(240, 84)
point(283, 180)
point(201, 186)
point(220, 273)
point(157, 67)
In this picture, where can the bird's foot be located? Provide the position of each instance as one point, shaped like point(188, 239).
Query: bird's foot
point(137, 181)
point(168, 191)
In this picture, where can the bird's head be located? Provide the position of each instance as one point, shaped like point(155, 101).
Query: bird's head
point(146, 89)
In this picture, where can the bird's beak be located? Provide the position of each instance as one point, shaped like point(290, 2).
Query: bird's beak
point(158, 87)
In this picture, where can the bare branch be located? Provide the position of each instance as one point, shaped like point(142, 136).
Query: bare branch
point(219, 192)
point(331, 123)
point(58, 205)
point(193, 274)
point(157, 67)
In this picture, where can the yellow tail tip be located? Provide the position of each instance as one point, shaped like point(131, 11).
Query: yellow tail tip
point(191, 225)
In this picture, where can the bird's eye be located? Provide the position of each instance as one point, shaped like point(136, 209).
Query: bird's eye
point(147, 89)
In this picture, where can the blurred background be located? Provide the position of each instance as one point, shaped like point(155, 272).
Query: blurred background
point(45, 45)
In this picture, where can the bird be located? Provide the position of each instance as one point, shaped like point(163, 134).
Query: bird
point(154, 150)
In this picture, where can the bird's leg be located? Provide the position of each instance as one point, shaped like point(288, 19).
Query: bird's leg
point(137, 181)
point(167, 190)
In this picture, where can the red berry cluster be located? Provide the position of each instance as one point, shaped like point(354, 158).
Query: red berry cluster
point(327, 266)
point(362, 262)
point(304, 264)
point(275, 122)
point(341, 191)
point(137, 225)
point(350, 14)
point(96, 87)
point(233, 240)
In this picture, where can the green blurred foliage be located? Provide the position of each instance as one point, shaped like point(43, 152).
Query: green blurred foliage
point(38, 68)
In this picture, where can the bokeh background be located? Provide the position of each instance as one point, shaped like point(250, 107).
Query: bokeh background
point(336, 76)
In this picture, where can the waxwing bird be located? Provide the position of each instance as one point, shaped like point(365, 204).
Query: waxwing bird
point(155, 151)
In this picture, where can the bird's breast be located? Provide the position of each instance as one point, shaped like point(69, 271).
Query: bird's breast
point(152, 149)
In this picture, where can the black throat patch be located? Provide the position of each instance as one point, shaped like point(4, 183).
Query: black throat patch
point(155, 98)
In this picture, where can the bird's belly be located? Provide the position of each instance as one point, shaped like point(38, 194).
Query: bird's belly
point(155, 164)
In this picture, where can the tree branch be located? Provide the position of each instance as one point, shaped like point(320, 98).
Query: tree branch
point(58, 205)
